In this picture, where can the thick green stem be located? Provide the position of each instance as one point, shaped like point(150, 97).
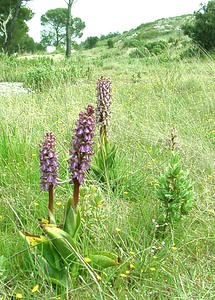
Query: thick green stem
point(103, 133)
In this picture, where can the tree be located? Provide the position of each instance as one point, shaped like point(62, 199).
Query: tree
point(68, 27)
point(55, 22)
point(13, 15)
point(91, 42)
point(202, 28)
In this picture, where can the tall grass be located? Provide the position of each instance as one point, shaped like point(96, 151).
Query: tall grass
point(149, 97)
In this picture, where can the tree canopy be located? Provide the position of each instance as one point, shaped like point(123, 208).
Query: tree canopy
point(13, 28)
point(55, 23)
point(202, 27)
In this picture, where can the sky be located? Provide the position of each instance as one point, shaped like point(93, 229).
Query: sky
point(105, 16)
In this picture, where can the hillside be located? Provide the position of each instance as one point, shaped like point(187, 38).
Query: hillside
point(160, 29)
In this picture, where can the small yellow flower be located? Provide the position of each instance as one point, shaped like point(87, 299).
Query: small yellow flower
point(58, 203)
point(174, 248)
point(117, 229)
point(34, 154)
point(132, 252)
point(35, 288)
point(123, 275)
point(100, 203)
point(19, 296)
point(125, 193)
point(210, 177)
point(127, 272)
point(98, 277)
point(36, 203)
point(131, 266)
point(87, 259)
point(152, 269)
point(155, 257)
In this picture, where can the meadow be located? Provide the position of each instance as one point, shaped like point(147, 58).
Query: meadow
point(151, 94)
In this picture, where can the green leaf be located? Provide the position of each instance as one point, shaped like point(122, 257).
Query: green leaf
point(57, 276)
point(63, 243)
point(104, 260)
point(44, 247)
point(72, 219)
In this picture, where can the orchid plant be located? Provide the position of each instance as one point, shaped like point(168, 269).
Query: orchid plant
point(174, 189)
point(57, 247)
point(104, 167)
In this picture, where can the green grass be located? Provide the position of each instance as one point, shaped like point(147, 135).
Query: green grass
point(149, 97)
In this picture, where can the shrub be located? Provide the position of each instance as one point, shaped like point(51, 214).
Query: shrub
point(139, 53)
point(110, 43)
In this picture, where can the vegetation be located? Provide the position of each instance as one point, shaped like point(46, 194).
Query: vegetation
point(13, 29)
point(156, 184)
point(202, 27)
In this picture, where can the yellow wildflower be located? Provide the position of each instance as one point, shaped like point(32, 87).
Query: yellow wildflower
point(99, 203)
point(117, 229)
point(123, 275)
point(35, 288)
point(19, 296)
point(152, 269)
point(58, 203)
point(87, 259)
point(131, 266)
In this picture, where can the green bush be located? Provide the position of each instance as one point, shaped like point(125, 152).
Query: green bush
point(110, 43)
point(130, 43)
point(38, 79)
point(139, 53)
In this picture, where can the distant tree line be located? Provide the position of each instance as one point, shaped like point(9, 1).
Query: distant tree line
point(61, 28)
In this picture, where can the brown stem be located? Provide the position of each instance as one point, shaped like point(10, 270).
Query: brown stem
point(76, 192)
point(51, 198)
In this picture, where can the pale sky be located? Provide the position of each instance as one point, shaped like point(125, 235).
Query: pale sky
point(105, 16)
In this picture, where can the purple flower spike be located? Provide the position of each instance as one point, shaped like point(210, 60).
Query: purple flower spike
point(48, 162)
point(82, 144)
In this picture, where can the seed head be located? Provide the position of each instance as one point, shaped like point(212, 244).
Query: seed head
point(104, 100)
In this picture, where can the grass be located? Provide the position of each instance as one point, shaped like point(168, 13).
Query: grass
point(149, 97)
